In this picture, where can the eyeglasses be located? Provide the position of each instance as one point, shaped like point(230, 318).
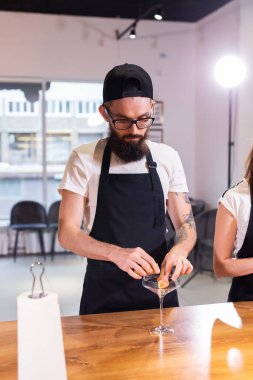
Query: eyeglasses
point(122, 124)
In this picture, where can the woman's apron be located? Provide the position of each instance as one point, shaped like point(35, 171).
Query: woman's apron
point(242, 286)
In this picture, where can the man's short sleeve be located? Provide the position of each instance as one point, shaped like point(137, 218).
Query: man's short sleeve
point(178, 180)
point(75, 176)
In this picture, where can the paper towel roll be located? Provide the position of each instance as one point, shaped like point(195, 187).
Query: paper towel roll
point(40, 341)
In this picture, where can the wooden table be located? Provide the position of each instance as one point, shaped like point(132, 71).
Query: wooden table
point(210, 342)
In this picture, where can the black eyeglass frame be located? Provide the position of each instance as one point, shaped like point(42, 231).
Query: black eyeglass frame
point(132, 121)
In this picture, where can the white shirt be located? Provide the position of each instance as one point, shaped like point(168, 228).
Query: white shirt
point(83, 168)
point(237, 201)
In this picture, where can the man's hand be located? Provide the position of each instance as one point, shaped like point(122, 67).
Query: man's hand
point(179, 261)
point(135, 261)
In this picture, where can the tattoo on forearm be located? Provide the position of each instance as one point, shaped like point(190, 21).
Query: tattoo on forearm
point(189, 219)
point(181, 235)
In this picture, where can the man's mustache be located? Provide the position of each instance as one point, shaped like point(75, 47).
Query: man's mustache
point(131, 136)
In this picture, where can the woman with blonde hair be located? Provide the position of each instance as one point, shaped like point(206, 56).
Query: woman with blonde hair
point(233, 241)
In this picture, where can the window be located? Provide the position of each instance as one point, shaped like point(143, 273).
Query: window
point(29, 165)
point(86, 138)
point(86, 107)
point(18, 108)
point(58, 147)
point(22, 148)
point(60, 108)
point(10, 188)
point(20, 144)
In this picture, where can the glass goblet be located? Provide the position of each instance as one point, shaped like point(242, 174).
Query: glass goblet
point(150, 282)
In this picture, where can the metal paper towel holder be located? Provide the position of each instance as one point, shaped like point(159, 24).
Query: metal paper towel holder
point(42, 293)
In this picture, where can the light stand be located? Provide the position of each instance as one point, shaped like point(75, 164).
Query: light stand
point(229, 72)
point(230, 142)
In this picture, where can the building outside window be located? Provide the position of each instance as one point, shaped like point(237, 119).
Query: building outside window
point(27, 159)
point(22, 147)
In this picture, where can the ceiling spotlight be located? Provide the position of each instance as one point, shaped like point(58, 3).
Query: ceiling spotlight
point(132, 33)
point(158, 14)
point(155, 10)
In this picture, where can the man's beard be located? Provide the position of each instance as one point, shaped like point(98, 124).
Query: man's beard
point(128, 151)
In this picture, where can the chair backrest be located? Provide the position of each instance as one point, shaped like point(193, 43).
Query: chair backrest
point(205, 224)
point(53, 212)
point(28, 212)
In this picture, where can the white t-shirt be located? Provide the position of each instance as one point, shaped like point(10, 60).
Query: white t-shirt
point(83, 168)
point(237, 201)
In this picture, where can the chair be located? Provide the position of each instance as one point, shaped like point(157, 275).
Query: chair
point(205, 226)
point(28, 216)
point(53, 216)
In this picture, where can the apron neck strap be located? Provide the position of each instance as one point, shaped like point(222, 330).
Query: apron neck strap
point(106, 160)
point(152, 165)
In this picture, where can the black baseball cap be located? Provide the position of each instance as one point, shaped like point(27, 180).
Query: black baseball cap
point(127, 80)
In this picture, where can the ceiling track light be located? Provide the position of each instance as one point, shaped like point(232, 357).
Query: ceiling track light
point(158, 15)
point(132, 34)
point(156, 10)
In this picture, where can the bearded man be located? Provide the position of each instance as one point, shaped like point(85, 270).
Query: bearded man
point(119, 190)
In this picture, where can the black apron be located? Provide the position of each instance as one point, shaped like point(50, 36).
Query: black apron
point(242, 286)
point(130, 213)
